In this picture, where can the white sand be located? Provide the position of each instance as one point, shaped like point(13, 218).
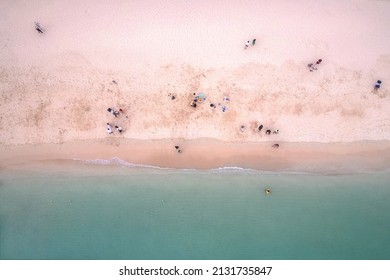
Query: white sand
point(56, 87)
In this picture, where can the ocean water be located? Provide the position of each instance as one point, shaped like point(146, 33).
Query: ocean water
point(115, 212)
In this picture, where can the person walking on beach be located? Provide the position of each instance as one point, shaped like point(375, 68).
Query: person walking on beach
point(260, 127)
point(254, 42)
point(109, 128)
point(119, 128)
point(38, 27)
point(247, 44)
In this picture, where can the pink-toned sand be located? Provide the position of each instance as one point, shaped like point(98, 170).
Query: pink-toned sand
point(208, 153)
point(55, 87)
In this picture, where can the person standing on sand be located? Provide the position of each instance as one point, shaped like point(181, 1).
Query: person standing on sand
point(38, 27)
point(119, 128)
point(377, 85)
point(247, 44)
point(260, 127)
point(254, 42)
point(122, 112)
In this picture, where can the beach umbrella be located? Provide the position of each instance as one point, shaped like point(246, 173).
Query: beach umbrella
point(201, 96)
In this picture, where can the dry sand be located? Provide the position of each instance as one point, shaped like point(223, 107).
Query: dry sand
point(56, 87)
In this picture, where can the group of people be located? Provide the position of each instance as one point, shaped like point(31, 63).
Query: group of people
point(115, 113)
point(313, 66)
point(110, 126)
point(268, 131)
point(247, 43)
point(201, 97)
point(197, 98)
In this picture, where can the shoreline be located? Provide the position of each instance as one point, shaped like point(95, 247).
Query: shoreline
point(206, 154)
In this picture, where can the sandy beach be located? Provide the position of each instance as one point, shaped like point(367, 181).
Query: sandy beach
point(148, 58)
point(206, 154)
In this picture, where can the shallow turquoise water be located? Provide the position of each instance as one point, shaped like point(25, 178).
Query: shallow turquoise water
point(129, 213)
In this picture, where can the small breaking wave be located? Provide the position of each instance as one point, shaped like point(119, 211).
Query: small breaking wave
point(234, 168)
point(116, 161)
